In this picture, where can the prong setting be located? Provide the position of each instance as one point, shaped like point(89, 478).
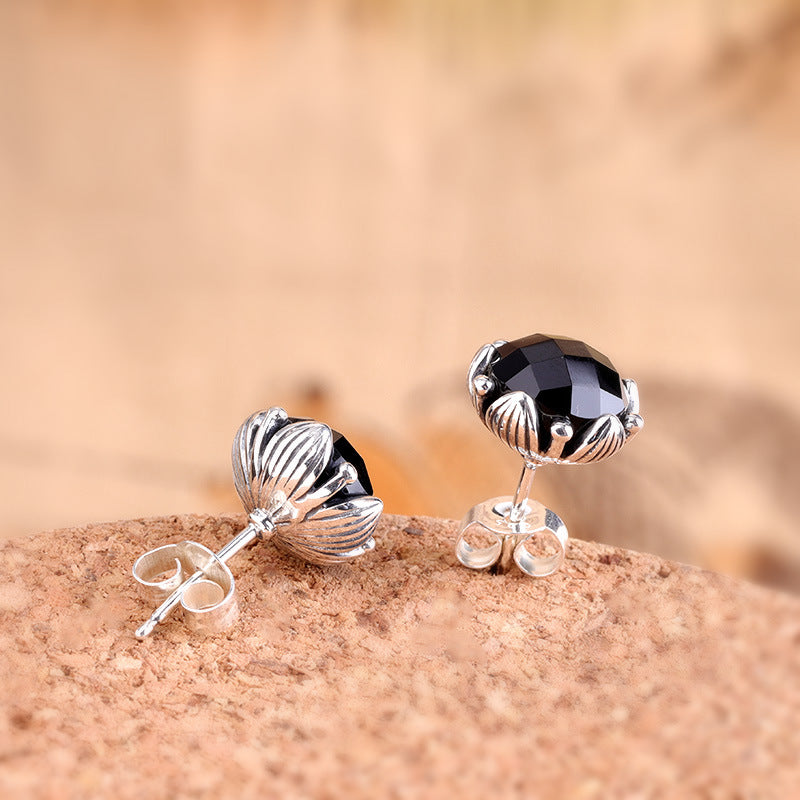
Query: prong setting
point(482, 385)
point(345, 474)
point(479, 383)
point(560, 433)
point(632, 421)
point(518, 421)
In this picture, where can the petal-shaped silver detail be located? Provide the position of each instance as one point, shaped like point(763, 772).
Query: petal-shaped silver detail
point(631, 420)
point(331, 534)
point(599, 440)
point(249, 447)
point(632, 392)
point(513, 419)
point(633, 424)
point(273, 465)
point(479, 368)
point(298, 456)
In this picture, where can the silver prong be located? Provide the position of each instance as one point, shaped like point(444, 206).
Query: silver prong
point(560, 434)
point(482, 385)
point(632, 423)
point(632, 391)
point(631, 420)
point(331, 534)
point(345, 474)
point(479, 367)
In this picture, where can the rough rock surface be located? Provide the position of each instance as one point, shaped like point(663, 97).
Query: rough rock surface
point(401, 675)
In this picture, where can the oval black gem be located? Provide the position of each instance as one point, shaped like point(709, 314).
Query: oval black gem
point(565, 377)
point(344, 451)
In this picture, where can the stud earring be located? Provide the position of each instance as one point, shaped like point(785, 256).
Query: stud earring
point(303, 485)
point(555, 401)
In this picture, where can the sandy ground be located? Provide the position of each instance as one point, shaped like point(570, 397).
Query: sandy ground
point(400, 675)
point(207, 212)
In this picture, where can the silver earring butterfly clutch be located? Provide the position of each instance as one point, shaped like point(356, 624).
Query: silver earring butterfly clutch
point(303, 486)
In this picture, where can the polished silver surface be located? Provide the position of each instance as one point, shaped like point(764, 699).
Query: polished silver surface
point(508, 539)
point(331, 534)
point(281, 473)
point(478, 382)
point(200, 582)
point(632, 422)
point(512, 418)
point(509, 524)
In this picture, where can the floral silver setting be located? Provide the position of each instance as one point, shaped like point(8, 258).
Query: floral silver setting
point(517, 421)
point(299, 490)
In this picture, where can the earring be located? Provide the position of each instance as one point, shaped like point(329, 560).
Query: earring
point(555, 401)
point(303, 485)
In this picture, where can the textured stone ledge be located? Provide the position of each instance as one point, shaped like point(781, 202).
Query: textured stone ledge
point(401, 675)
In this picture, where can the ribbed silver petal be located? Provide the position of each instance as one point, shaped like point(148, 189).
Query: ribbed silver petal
point(513, 419)
point(631, 420)
point(480, 366)
point(632, 393)
point(599, 440)
point(331, 534)
point(248, 452)
point(273, 464)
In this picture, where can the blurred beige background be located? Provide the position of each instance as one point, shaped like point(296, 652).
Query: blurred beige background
point(210, 208)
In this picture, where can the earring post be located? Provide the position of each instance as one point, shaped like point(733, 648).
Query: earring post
point(515, 515)
point(523, 491)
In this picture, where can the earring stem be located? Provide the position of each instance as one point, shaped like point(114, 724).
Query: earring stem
point(517, 512)
point(520, 506)
point(255, 530)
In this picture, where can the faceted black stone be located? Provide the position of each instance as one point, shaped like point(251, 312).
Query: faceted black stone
point(565, 377)
point(344, 451)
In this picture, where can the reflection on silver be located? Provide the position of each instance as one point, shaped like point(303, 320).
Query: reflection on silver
point(281, 473)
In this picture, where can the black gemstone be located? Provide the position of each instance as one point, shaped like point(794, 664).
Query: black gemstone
point(344, 451)
point(565, 377)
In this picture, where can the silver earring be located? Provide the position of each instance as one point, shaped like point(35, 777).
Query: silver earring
point(303, 485)
point(554, 401)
